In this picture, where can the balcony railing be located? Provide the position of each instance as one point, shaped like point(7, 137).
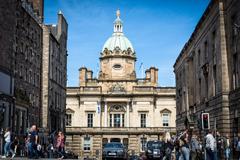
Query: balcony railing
point(90, 89)
point(143, 89)
point(166, 91)
point(123, 130)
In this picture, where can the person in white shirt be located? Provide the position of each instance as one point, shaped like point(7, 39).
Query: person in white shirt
point(7, 138)
point(210, 145)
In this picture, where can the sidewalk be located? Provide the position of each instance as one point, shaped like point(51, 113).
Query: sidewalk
point(25, 158)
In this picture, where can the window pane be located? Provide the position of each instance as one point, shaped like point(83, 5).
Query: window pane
point(90, 120)
point(143, 120)
point(68, 120)
point(116, 120)
point(110, 120)
point(122, 120)
point(87, 144)
point(143, 143)
point(165, 119)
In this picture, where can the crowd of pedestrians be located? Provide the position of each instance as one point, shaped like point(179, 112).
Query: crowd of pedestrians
point(29, 145)
point(212, 147)
point(188, 146)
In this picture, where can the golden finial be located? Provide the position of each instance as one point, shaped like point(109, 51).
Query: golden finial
point(118, 13)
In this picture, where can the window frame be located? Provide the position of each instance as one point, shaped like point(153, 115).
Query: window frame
point(67, 118)
point(90, 120)
point(165, 124)
point(143, 120)
point(87, 146)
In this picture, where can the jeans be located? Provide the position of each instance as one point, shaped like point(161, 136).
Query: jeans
point(7, 148)
point(61, 151)
point(32, 150)
point(177, 154)
point(227, 153)
point(185, 153)
point(210, 154)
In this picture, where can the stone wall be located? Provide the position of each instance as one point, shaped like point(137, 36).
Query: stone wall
point(206, 69)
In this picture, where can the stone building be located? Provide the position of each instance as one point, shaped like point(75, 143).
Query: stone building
point(207, 71)
point(6, 74)
point(117, 106)
point(54, 74)
point(21, 56)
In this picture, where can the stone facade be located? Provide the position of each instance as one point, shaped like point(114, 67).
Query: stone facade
point(6, 94)
point(207, 71)
point(21, 55)
point(35, 56)
point(54, 74)
point(117, 106)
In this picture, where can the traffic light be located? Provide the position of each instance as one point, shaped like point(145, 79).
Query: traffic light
point(205, 121)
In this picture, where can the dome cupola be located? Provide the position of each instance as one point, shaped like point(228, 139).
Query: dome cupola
point(118, 43)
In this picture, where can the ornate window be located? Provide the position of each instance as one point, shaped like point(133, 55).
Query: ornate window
point(143, 143)
point(117, 116)
point(87, 143)
point(68, 121)
point(68, 117)
point(165, 117)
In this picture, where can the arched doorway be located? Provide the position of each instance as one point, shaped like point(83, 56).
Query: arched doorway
point(115, 140)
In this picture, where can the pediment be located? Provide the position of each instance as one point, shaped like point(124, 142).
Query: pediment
point(69, 110)
point(165, 110)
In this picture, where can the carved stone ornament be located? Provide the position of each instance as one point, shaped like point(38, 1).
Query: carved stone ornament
point(117, 88)
point(117, 108)
point(205, 69)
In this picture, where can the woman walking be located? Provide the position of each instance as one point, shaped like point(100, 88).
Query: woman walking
point(7, 138)
point(168, 146)
point(8, 144)
point(184, 146)
point(60, 144)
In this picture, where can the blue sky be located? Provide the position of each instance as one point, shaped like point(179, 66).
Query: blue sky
point(158, 29)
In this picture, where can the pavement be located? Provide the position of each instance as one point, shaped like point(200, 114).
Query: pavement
point(25, 158)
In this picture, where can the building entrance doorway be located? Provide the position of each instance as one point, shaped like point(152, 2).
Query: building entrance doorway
point(115, 140)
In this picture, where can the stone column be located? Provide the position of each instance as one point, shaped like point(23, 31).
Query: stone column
point(99, 112)
point(128, 122)
point(105, 114)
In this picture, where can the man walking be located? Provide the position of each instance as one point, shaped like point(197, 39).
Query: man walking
point(194, 147)
point(210, 145)
point(226, 146)
point(32, 146)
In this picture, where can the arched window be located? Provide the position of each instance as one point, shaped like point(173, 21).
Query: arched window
point(117, 116)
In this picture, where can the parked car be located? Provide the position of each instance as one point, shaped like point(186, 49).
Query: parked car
point(134, 157)
point(154, 150)
point(114, 150)
point(70, 155)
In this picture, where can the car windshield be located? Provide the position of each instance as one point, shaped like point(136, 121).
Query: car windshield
point(154, 144)
point(113, 145)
